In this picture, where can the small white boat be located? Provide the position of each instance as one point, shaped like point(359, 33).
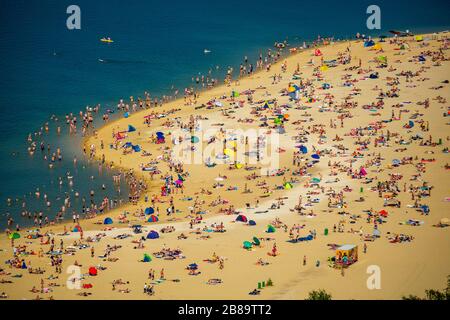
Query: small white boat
point(206, 51)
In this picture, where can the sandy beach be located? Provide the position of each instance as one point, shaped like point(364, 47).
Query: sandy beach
point(360, 158)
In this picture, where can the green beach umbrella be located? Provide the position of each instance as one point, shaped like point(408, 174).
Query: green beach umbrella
point(256, 241)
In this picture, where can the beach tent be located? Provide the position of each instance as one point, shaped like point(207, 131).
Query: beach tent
point(92, 271)
point(419, 38)
point(303, 149)
point(14, 235)
point(234, 94)
point(153, 218)
point(76, 229)
point(146, 258)
point(238, 165)
point(369, 43)
point(362, 172)
point(149, 210)
point(326, 86)
point(376, 233)
point(136, 148)
point(382, 59)
point(383, 213)
point(256, 241)
point(315, 180)
point(153, 235)
point(315, 156)
point(251, 223)
point(287, 186)
point(120, 135)
point(131, 128)
point(347, 250)
point(270, 228)
point(247, 245)
point(126, 115)
point(317, 52)
point(422, 58)
point(378, 47)
point(241, 218)
point(108, 221)
point(194, 139)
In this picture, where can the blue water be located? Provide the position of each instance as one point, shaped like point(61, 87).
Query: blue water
point(47, 69)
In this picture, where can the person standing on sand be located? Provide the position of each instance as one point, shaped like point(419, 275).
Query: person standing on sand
point(92, 252)
point(304, 260)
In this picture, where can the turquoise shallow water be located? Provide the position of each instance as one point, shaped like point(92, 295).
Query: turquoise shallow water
point(47, 69)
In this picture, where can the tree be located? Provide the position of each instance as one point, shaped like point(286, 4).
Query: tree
point(432, 294)
point(319, 295)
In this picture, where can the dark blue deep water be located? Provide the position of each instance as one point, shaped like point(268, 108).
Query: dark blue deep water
point(47, 69)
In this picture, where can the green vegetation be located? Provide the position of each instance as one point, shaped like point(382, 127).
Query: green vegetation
point(319, 295)
point(432, 294)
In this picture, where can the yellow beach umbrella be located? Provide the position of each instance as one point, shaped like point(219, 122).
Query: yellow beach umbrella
point(324, 68)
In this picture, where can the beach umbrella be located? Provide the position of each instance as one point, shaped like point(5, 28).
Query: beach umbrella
point(266, 105)
point(14, 235)
point(149, 210)
point(256, 241)
point(126, 115)
point(160, 134)
point(153, 235)
point(395, 162)
point(425, 208)
point(131, 128)
point(108, 221)
point(136, 148)
point(127, 145)
point(153, 218)
point(324, 68)
point(251, 223)
point(234, 94)
point(238, 165)
point(247, 245)
point(383, 212)
point(194, 139)
point(146, 258)
point(411, 123)
point(270, 228)
point(315, 156)
point(376, 233)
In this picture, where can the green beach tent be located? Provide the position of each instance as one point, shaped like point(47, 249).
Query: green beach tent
point(247, 245)
point(14, 235)
point(256, 241)
point(270, 228)
point(147, 258)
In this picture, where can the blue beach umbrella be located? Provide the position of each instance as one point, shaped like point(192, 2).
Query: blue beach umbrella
point(315, 156)
point(149, 210)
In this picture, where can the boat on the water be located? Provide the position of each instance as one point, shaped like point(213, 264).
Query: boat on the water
point(107, 40)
